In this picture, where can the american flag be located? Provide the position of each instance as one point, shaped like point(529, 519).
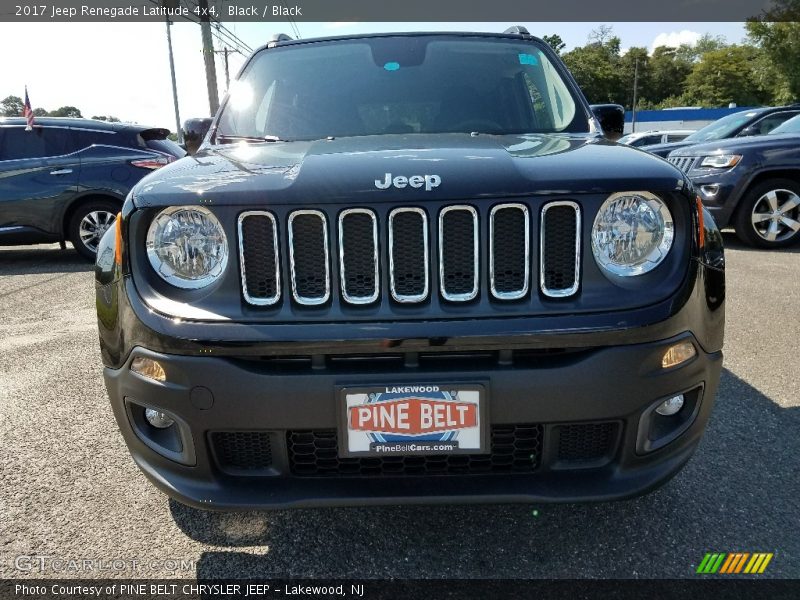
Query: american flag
point(27, 112)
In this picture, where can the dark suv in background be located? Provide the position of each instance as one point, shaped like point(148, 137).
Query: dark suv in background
point(751, 184)
point(65, 180)
point(755, 121)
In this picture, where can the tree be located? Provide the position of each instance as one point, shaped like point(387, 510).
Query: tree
point(724, 76)
point(66, 111)
point(595, 66)
point(12, 106)
point(780, 41)
point(633, 60)
point(108, 118)
point(669, 69)
point(555, 42)
point(39, 112)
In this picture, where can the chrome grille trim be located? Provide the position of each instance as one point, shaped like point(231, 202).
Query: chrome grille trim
point(463, 297)
point(404, 298)
point(342, 276)
point(684, 163)
point(305, 300)
point(240, 223)
point(562, 292)
point(522, 292)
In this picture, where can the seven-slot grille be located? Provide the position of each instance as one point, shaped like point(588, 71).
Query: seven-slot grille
point(357, 253)
point(684, 163)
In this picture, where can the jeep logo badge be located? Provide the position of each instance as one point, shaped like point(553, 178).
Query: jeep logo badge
point(415, 181)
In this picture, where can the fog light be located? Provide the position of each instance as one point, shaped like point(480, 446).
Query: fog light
point(678, 353)
point(160, 420)
point(148, 368)
point(671, 406)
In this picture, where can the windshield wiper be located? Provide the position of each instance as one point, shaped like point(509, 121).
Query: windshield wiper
point(224, 138)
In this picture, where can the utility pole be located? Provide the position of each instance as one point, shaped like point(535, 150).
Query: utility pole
point(208, 56)
point(635, 89)
point(178, 128)
point(227, 73)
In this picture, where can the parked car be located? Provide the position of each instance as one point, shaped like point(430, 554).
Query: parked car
point(66, 179)
point(756, 121)
point(751, 184)
point(649, 138)
point(432, 281)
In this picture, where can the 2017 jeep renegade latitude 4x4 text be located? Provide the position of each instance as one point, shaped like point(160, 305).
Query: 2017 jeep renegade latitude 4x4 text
point(409, 268)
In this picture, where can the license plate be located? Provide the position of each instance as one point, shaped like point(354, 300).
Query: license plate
point(395, 420)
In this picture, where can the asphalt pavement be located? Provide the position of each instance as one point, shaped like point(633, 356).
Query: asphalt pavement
point(70, 491)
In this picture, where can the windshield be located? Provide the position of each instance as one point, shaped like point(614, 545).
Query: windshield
point(721, 128)
point(402, 85)
point(790, 126)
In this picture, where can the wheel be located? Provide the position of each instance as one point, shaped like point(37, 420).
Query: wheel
point(769, 215)
point(88, 224)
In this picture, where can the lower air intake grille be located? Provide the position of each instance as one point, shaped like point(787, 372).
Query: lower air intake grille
point(514, 449)
point(242, 452)
point(586, 442)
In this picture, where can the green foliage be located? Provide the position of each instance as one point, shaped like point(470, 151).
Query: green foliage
point(555, 42)
point(66, 111)
point(724, 76)
point(109, 118)
point(780, 42)
point(11, 106)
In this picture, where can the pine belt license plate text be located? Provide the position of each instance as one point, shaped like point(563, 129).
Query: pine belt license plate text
point(413, 419)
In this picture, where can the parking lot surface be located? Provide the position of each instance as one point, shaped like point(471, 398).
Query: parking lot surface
point(69, 489)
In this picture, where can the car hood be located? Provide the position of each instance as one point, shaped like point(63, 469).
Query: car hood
point(741, 145)
point(664, 149)
point(354, 169)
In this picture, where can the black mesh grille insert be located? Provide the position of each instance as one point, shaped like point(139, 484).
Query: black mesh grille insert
point(259, 259)
point(457, 249)
point(560, 248)
point(509, 252)
point(409, 267)
point(242, 452)
point(514, 449)
point(586, 442)
point(358, 231)
point(309, 257)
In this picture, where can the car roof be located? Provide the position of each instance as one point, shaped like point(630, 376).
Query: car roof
point(76, 123)
point(282, 40)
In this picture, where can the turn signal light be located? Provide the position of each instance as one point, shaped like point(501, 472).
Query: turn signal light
point(147, 367)
point(678, 353)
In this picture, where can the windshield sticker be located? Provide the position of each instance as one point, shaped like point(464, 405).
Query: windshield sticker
point(391, 66)
point(528, 59)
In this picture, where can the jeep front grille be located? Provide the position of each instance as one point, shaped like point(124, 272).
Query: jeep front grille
point(369, 242)
point(684, 163)
point(560, 249)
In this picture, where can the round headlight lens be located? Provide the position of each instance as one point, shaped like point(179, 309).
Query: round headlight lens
point(187, 246)
point(632, 233)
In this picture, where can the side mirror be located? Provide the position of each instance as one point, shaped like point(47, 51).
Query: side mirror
point(612, 119)
point(194, 132)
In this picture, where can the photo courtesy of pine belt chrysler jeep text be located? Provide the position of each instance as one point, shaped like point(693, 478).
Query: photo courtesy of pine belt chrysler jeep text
point(410, 268)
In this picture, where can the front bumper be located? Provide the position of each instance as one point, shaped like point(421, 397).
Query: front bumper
point(611, 385)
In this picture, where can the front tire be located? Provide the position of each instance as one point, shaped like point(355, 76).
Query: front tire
point(769, 215)
point(88, 225)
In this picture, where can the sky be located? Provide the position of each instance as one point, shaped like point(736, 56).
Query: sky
point(122, 69)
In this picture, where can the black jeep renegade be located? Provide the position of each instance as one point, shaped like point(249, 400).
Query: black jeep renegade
point(410, 268)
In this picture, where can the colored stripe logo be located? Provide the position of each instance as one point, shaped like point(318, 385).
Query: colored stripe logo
point(734, 562)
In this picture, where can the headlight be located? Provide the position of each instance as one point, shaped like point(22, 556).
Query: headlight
point(187, 247)
point(632, 233)
point(721, 161)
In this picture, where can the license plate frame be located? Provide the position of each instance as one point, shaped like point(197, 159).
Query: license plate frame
point(465, 437)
